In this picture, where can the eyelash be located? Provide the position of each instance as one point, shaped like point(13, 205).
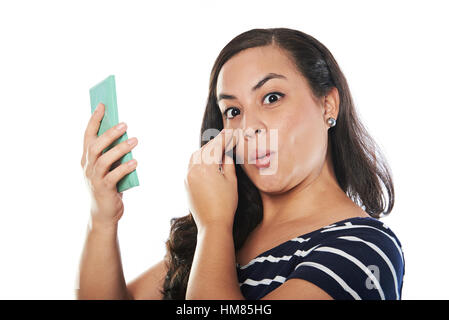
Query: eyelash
point(271, 93)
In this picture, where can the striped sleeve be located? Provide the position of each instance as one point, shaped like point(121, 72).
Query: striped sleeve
point(360, 264)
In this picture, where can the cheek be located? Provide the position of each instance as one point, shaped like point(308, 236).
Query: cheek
point(231, 123)
point(303, 145)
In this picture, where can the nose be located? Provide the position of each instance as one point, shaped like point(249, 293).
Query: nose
point(251, 133)
point(252, 126)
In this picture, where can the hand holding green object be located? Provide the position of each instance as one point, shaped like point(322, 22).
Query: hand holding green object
point(106, 154)
point(105, 93)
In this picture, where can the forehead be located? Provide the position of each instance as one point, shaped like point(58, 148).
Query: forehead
point(250, 65)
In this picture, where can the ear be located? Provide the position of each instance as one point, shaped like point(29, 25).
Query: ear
point(331, 104)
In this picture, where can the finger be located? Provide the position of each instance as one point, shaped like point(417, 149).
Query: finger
point(104, 141)
point(230, 141)
point(228, 156)
point(211, 151)
point(113, 177)
point(195, 158)
point(90, 134)
point(94, 124)
point(225, 140)
point(104, 162)
point(228, 166)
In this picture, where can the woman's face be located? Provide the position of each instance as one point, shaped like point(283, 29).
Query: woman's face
point(291, 122)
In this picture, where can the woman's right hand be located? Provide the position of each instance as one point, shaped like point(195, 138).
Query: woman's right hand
point(106, 202)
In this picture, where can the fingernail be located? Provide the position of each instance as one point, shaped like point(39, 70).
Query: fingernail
point(98, 107)
point(132, 141)
point(120, 126)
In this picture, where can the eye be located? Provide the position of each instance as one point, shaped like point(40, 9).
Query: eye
point(232, 114)
point(272, 94)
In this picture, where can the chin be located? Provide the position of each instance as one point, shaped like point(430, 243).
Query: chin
point(265, 180)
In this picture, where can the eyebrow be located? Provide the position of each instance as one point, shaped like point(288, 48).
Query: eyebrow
point(257, 86)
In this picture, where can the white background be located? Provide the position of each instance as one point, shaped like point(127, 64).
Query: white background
point(394, 55)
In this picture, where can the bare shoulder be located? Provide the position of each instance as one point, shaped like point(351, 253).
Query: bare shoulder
point(149, 284)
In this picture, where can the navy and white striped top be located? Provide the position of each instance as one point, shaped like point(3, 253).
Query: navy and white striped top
point(357, 258)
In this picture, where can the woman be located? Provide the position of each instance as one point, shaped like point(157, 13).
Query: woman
point(292, 216)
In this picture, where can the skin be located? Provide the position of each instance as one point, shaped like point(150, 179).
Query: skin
point(100, 271)
point(301, 195)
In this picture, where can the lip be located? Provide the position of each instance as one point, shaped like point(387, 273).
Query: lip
point(259, 154)
point(264, 162)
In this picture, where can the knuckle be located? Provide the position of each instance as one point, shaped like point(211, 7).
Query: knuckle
point(94, 171)
point(87, 171)
point(189, 176)
point(114, 133)
point(108, 183)
point(192, 174)
point(91, 148)
point(195, 158)
point(125, 146)
point(101, 163)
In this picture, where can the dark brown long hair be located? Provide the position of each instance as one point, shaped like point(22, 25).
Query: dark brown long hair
point(359, 166)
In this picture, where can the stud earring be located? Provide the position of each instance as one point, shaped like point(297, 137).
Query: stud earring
point(331, 122)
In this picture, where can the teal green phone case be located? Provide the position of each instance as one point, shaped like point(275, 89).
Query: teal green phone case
point(105, 92)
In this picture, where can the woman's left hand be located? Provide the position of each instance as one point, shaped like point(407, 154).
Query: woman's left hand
point(212, 194)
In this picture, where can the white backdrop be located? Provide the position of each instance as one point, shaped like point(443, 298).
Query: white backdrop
point(394, 55)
